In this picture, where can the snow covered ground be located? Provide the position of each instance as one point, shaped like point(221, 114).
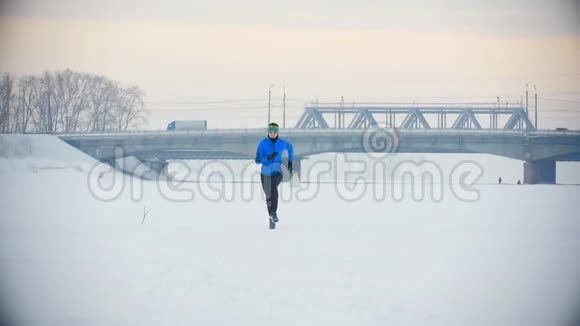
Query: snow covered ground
point(69, 258)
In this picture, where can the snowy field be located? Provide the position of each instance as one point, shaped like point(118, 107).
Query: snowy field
point(511, 257)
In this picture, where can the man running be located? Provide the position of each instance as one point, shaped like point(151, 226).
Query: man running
point(269, 154)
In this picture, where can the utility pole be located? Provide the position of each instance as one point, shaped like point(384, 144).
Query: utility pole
point(535, 107)
point(269, 101)
point(341, 114)
point(495, 115)
point(284, 109)
point(527, 100)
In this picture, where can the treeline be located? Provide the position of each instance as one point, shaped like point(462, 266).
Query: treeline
point(68, 101)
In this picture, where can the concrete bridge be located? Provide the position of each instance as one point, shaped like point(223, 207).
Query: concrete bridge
point(540, 150)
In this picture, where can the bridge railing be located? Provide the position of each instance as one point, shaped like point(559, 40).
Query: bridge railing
point(415, 105)
point(291, 131)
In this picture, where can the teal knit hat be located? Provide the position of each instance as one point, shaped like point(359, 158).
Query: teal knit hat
point(273, 127)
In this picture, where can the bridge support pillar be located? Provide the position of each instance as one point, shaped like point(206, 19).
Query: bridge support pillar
point(159, 166)
point(543, 171)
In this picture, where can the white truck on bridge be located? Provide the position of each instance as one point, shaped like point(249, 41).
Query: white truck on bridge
point(187, 125)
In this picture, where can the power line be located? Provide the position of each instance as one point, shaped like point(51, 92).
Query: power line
point(558, 100)
point(206, 109)
point(562, 93)
point(158, 107)
point(220, 101)
point(256, 99)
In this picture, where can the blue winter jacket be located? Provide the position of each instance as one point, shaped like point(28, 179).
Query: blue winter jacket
point(267, 147)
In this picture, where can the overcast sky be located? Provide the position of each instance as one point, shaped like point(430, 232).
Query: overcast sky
point(529, 17)
point(187, 55)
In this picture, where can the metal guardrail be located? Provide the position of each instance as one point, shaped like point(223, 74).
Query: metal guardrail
point(291, 131)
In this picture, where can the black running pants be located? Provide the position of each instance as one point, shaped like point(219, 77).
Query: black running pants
point(270, 186)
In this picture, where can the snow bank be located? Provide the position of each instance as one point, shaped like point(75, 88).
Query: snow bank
point(31, 153)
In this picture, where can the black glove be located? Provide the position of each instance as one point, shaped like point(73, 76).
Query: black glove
point(271, 156)
point(289, 166)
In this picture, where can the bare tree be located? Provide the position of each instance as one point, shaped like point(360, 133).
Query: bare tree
point(70, 96)
point(25, 98)
point(6, 97)
point(68, 101)
point(102, 93)
point(28, 104)
point(130, 108)
point(45, 108)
